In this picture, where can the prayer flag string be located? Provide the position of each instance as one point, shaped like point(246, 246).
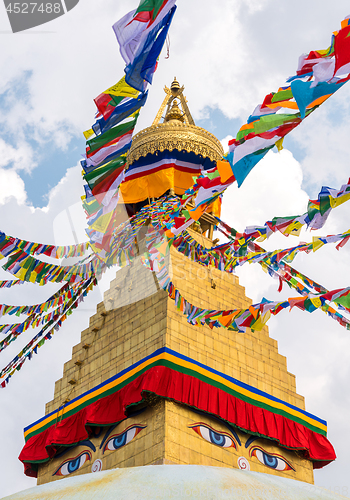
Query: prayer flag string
point(256, 316)
point(319, 75)
point(45, 334)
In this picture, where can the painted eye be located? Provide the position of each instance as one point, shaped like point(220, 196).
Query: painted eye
point(73, 464)
point(120, 440)
point(218, 438)
point(273, 461)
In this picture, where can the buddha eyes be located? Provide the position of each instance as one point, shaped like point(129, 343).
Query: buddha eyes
point(218, 438)
point(221, 439)
point(273, 461)
point(73, 464)
point(113, 443)
point(119, 440)
point(224, 440)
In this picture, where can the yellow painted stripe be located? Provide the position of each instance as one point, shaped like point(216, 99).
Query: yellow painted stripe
point(185, 364)
point(246, 392)
point(95, 393)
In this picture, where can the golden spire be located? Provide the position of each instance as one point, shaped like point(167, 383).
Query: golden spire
point(176, 131)
point(175, 87)
point(175, 92)
point(174, 113)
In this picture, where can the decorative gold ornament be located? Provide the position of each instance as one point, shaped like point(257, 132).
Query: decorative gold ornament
point(178, 131)
point(174, 113)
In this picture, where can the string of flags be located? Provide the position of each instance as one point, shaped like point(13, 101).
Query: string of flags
point(277, 269)
point(27, 268)
point(9, 244)
point(255, 317)
point(10, 283)
point(319, 75)
point(46, 333)
point(161, 213)
point(36, 314)
point(64, 293)
point(225, 258)
point(315, 218)
point(141, 35)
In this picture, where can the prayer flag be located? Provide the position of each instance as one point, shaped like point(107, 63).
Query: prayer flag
point(143, 65)
point(132, 30)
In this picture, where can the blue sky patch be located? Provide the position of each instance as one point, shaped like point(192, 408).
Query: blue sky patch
point(218, 123)
point(52, 167)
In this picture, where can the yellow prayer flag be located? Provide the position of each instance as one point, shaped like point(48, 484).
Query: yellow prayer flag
point(316, 243)
point(294, 228)
point(264, 266)
point(122, 260)
point(261, 322)
point(335, 202)
point(122, 89)
point(88, 133)
point(316, 301)
point(279, 144)
point(33, 276)
point(21, 273)
point(215, 207)
point(324, 52)
point(102, 222)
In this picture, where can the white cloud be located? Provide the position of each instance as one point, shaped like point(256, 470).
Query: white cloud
point(11, 186)
point(324, 137)
point(272, 189)
point(225, 141)
point(20, 158)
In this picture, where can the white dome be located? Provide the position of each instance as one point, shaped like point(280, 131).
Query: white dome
point(175, 482)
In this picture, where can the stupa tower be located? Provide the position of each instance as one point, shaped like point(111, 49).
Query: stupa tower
point(146, 387)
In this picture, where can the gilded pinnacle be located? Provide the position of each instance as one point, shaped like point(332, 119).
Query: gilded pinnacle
point(174, 113)
point(175, 87)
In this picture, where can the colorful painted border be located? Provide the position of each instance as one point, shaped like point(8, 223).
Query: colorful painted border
point(183, 364)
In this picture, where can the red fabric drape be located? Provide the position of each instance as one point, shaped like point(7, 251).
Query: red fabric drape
point(185, 389)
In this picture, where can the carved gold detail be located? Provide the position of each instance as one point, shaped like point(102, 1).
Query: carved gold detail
point(175, 135)
point(178, 131)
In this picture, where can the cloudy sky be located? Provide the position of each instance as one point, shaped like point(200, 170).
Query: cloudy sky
point(229, 55)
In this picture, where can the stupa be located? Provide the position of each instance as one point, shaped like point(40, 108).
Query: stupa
point(151, 406)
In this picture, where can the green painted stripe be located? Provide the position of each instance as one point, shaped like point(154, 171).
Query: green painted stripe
point(186, 371)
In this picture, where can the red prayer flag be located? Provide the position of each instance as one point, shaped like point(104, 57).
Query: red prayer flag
point(342, 50)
